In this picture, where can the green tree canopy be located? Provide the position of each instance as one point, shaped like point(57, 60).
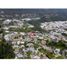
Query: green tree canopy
point(6, 51)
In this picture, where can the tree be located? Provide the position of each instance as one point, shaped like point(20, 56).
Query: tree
point(6, 51)
point(60, 44)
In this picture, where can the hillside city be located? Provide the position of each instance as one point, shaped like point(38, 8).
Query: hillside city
point(32, 37)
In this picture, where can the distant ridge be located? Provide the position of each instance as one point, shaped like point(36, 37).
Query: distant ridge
point(20, 11)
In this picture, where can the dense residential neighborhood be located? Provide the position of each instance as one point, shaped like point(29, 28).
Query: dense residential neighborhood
point(46, 40)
